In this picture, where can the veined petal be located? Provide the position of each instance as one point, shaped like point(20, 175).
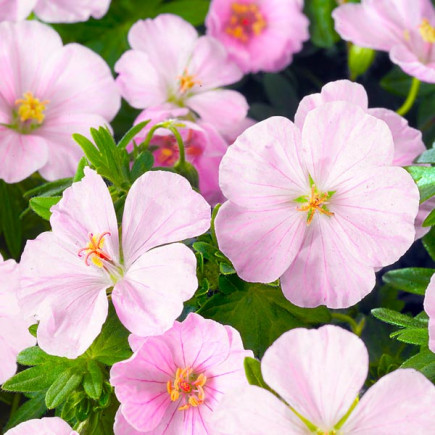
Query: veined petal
point(429, 307)
point(161, 208)
point(263, 167)
point(402, 403)
point(46, 426)
point(252, 410)
point(318, 372)
point(15, 10)
point(324, 271)
point(260, 243)
point(122, 426)
point(150, 296)
point(86, 207)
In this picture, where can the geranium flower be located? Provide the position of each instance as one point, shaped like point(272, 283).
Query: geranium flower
point(53, 11)
point(14, 333)
point(408, 142)
point(47, 93)
point(404, 28)
point(44, 426)
point(429, 307)
point(260, 35)
point(320, 207)
point(67, 272)
point(174, 381)
point(318, 374)
point(204, 147)
point(187, 73)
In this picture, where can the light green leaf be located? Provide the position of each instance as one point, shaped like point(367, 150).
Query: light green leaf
point(41, 205)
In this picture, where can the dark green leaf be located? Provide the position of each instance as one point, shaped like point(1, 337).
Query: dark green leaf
point(425, 178)
point(49, 189)
point(33, 408)
point(226, 269)
point(417, 336)
point(41, 205)
point(322, 29)
point(206, 249)
point(398, 319)
point(424, 362)
point(93, 380)
point(412, 279)
point(143, 163)
point(64, 384)
point(429, 243)
point(399, 83)
point(259, 312)
point(193, 11)
point(281, 94)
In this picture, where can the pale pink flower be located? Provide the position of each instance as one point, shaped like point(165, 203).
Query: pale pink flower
point(320, 207)
point(14, 333)
point(48, 92)
point(174, 381)
point(429, 307)
point(260, 35)
point(53, 11)
point(204, 147)
point(319, 374)
point(44, 426)
point(67, 272)
point(404, 28)
point(408, 142)
point(188, 72)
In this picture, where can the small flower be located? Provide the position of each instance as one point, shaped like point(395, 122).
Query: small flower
point(188, 72)
point(68, 273)
point(53, 11)
point(14, 333)
point(204, 147)
point(174, 381)
point(260, 35)
point(48, 92)
point(44, 426)
point(318, 375)
point(404, 28)
point(321, 207)
point(408, 142)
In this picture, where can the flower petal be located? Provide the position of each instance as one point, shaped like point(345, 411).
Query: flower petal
point(318, 372)
point(151, 295)
point(400, 403)
point(161, 208)
point(429, 307)
point(46, 426)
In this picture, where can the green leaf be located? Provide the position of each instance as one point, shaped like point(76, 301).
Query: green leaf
point(417, 336)
point(429, 243)
point(206, 249)
point(398, 319)
point(41, 205)
point(143, 163)
point(259, 312)
point(80, 172)
point(425, 178)
point(33, 408)
point(430, 219)
point(93, 380)
point(64, 384)
point(322, 29)
point(424, 362)
point(226, 269)
point(253, 372)
point(193, 11)
point(281, 94)
point(33, 356)
point(91, 152)
point(412, 279)
point(10, 218)
point(49, 189)
point(129, 136)
point(398, 83)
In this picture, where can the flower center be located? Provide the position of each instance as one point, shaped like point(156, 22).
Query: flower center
point(316, 202)
point(427, 32)
point(188, 385)
point(94, 250)
point(187, 81)
point(246, 21)
point(31, 109)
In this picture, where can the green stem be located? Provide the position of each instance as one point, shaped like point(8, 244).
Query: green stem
point(15, 402)
point(175, 132)
point(356, 327)
point(410, 99)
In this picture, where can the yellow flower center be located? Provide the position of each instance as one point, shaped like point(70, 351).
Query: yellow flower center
point(94, 250)
point(189, 386)
point(187, 82)
point(246, 21)
point(427, 32)
point(317, 202)
point(31, 108)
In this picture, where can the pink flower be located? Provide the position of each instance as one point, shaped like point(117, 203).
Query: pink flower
point(188, 72)
point(66, 273)
point(429, 307)
point(44, 426)
point(408, 143)
point(47, 93)
point(174, 381)
point(320, 207)
point(260, 35)
point(53, 11)
point(404, 28)
point(204, 147)
point(318, 374)
point(14, 333)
